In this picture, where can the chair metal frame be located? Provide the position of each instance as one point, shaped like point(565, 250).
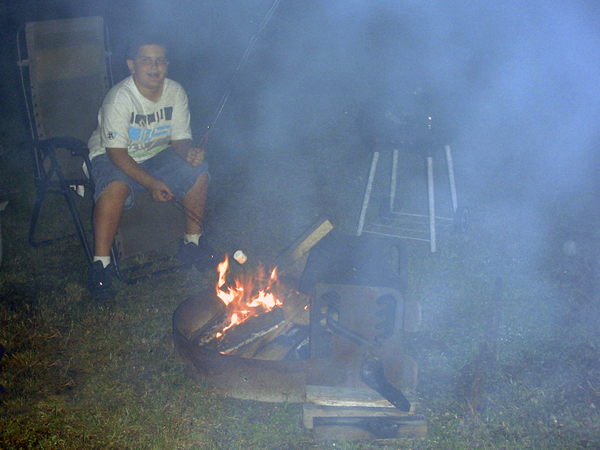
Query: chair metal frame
point(46, 143)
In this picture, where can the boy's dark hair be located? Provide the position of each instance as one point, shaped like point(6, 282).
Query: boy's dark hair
point(145, 39)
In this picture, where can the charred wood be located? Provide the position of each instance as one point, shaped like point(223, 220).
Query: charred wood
point(249, 331)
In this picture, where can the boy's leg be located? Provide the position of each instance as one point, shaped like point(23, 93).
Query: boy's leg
point(195, 201)
point(197, 250)
point(107, 216)
point(191, 185)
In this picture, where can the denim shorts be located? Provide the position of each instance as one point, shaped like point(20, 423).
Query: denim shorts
point(167, 167)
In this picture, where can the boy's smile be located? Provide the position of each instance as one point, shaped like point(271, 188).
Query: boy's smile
point(149, 69)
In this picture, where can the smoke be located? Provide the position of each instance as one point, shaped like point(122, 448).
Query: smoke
point(531, 112)
point(515, 81)
point(515, 84)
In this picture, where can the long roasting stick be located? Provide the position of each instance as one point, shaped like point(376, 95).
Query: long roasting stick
point(177, 203)
point(241, 64)
point(204, 140)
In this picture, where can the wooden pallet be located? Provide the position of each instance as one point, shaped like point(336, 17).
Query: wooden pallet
point(345, 413)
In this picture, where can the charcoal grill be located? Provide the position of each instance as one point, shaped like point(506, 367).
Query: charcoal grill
point(412, 130)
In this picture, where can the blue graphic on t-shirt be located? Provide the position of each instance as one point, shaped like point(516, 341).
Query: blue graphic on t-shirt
point(165, 129)
point(145, 135)
point(134, 133)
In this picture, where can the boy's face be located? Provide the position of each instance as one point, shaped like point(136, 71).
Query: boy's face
point(149, 68)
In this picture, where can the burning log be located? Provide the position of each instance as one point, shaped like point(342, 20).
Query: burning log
point(249, 331)
point(255, 316)
point(210, 330)
point(244, 300)
point(296, 312)
point(284, 344)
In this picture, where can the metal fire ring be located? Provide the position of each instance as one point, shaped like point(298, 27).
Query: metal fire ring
point(243, 378)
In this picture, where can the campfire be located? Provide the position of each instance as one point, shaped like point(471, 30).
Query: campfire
point(253, 313)
point(243, 300)
point(254, 337)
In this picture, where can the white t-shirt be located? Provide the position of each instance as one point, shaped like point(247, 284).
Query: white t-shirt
point(129, 120)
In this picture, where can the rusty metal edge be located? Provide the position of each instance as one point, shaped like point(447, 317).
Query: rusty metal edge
point(243, 378)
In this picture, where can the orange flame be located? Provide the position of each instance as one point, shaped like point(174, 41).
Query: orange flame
point(239, 300)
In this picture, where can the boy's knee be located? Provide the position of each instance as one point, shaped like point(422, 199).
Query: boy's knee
point(119, 187)
point(116, 191)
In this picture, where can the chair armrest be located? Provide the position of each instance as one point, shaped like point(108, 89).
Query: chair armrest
point(74, 145)
point(43, 148)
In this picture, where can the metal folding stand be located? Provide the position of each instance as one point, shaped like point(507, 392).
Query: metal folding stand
point(406, 225)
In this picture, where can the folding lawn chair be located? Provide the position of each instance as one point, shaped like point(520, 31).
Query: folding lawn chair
point(65, 68)
point(65, 73)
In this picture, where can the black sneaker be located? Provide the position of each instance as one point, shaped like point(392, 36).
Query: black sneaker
point(203, 256)
point(99, 283)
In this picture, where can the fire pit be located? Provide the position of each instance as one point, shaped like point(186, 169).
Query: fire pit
point(338, 364)
point(234, 376)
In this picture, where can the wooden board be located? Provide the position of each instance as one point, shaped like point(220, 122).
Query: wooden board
point(369, 427)
point(311, 412)
point(345, 397)
point(292, 260)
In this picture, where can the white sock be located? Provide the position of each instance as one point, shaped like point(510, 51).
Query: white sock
point(105, 260)
point(193, 238)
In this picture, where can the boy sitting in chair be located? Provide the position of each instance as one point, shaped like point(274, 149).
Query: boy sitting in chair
point(144, 141)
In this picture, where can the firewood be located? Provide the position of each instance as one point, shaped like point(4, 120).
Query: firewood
point(250, 330)
point(295, 308)
point(278, 348)
point(292, 260)
point(208, 332)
